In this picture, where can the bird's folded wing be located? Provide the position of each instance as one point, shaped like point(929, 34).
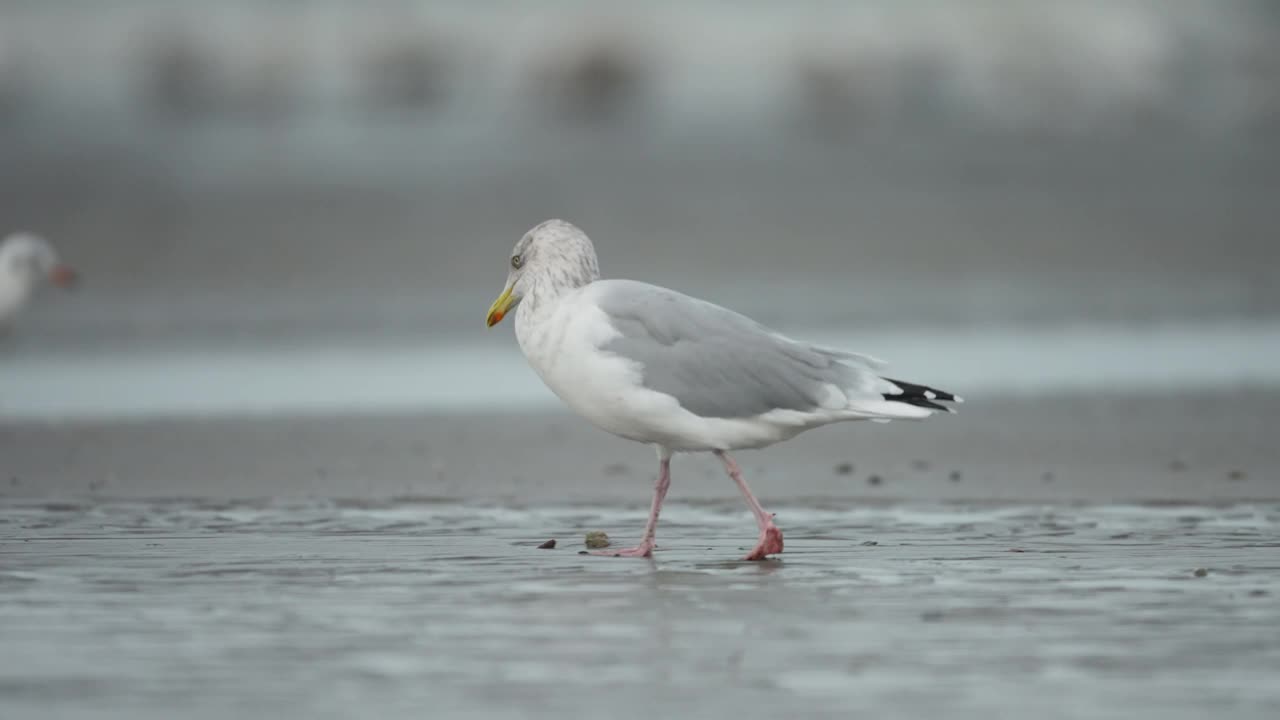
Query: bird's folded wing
point(718, 363)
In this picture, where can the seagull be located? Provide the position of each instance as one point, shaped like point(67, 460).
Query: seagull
point(681, 374)
point(27, 261)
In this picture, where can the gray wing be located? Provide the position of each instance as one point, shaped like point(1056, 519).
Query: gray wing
point(718, 363)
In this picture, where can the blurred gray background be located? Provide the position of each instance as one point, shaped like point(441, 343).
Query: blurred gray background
point(255, 188)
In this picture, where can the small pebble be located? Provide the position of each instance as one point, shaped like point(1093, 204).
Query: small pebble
point(844, 468)
point(548, 545)
point(874, 480)
point(1236, 475)
point(955, 476)
point(920, 465)
point(1046, 476)
point(597, 539)
point(1200, 572)
point(931, 616)
point(1177, 466)
point(869, 543)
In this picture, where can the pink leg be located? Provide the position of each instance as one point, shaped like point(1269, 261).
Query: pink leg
point(645, 548)
point(770, 536)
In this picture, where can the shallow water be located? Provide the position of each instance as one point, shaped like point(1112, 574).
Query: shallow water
point(339, 610)
point(217, 381)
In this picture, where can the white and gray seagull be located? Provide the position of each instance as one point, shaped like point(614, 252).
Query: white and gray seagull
point(26, 262)
point(684, 375)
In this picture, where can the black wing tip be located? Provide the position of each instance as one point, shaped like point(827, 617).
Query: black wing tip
point(922, 396)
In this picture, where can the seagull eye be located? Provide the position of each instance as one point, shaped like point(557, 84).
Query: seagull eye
point(516, 261)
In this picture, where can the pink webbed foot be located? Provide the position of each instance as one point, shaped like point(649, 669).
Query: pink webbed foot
point(770, 536)
point(642, 550)
point(770, 544)
point(645, 548)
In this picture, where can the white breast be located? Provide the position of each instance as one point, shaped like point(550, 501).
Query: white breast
point(561, 340)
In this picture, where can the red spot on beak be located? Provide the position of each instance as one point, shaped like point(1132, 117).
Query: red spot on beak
point(63, 276)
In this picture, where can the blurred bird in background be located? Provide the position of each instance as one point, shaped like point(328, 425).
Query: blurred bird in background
point(27, 262)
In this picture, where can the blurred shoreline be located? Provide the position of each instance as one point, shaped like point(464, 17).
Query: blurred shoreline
point(864, 237)
point(306, 375)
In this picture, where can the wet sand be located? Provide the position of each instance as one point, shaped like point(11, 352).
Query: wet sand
point(1201, 447)
point(1056, 556)
point(318, 610)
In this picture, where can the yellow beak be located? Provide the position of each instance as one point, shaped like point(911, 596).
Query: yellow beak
point(499, 308)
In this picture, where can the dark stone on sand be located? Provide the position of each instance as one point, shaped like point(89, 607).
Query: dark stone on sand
point(931, 616)
point(874, 479)
point(920, 465)
point(616, 469)
point(869, 543)
point(548, 545)
point(1046, 476)
point(844, 468)
point(1200, 572)
point(1177, 466)
point(955, 476)
point(1236, 475)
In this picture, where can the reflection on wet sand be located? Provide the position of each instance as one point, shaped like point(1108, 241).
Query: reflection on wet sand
point(311, 609)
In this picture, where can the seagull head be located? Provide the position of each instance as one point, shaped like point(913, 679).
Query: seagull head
point(552, 258)
point(30, 259)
